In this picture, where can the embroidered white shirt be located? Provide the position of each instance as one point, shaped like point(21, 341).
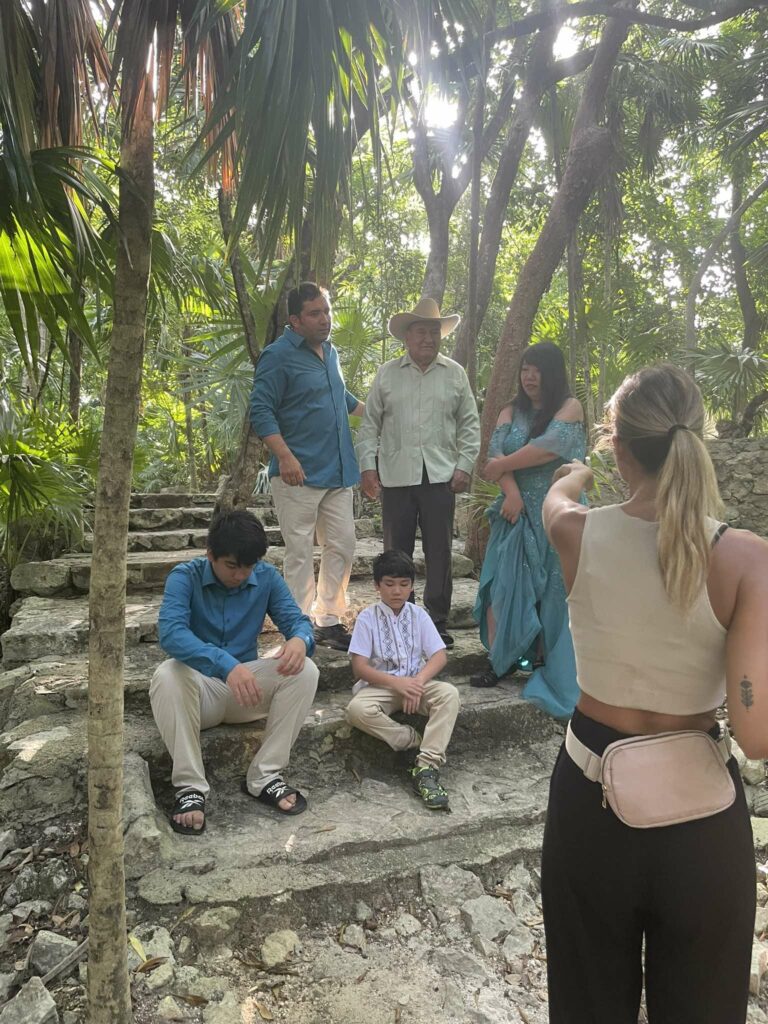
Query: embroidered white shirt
point(396, 644)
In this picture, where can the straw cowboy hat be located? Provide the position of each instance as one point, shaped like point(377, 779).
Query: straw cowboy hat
point(425, 309)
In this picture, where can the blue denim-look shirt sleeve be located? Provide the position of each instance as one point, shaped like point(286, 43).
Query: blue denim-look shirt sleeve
point(287, 615)
point(269, 383)
point(176, 637)
point(352, 402)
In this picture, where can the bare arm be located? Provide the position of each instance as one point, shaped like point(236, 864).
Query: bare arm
point(291, 471)
point(564, 517)
point(531, 454)
point(747, 650)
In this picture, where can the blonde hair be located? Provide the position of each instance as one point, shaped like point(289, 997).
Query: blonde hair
point(659, 414)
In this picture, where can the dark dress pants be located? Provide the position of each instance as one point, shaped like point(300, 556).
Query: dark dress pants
point(431, 507)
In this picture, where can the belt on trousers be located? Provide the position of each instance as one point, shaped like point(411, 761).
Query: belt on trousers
point(592, 764)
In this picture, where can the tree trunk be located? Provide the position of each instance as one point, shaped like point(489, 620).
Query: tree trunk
point(186, 391)
point(236, 488)
point(540, 76)
point(587, 158)
point(753, 323)
point(733, 221)
point(439, 212)
point(74, 344)
point(747, 422)
point(109, 1000)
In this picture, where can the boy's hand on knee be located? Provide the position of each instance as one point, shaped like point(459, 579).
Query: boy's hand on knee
point(291, 657)
point(242, 683)
point(411, 689)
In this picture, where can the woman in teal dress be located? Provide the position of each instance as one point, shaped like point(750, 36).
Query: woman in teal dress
point(521, 606)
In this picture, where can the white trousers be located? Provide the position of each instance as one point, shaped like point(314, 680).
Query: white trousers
point(184, 701)
point(302, 512)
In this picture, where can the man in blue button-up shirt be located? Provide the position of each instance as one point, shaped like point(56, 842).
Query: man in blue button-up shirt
point(300, 407)
point(212, 613)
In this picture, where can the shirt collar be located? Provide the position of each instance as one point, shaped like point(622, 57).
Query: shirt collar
point(388, 611)
point(210, 579)
point(439, 360)
point(298, 339)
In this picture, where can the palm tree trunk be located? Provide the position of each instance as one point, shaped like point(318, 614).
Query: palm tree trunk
point(753, 322)
point(186, 391)
point(109, 1000)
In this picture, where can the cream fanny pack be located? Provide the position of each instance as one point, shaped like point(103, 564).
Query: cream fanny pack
point(665, 779)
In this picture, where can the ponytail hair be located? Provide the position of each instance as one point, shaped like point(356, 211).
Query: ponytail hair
point(659, 414)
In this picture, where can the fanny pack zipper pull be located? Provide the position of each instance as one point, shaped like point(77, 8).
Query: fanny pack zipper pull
point(605, 804)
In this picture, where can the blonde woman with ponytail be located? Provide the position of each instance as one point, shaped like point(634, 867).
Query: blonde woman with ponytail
point(648, 863)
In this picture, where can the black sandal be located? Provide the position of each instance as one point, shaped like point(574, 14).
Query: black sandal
point(484, 679)
point(186, 802)
point(274, 792)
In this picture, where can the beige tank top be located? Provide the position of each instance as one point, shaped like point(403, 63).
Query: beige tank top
point(634, 648)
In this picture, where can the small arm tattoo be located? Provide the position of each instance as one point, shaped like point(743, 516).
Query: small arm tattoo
point(747, 698)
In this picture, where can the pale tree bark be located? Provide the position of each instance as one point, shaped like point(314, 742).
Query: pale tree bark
point(186, 390)
point(587, 158)
point(236, 487)
point(542, 73)
point(754, 324)
point(108, 988)
point(691, 340)
point(75, 347)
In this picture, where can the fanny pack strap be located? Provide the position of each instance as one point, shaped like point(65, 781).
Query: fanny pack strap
point(592, 764)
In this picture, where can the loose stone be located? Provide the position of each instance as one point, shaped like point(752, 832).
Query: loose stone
point(33, 1005)
point(488, 917)
point(279, 947)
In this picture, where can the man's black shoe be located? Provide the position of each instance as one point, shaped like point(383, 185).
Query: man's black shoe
point(336, 637)
point(445, 637)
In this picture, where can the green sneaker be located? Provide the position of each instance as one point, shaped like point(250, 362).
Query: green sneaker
point(426, 782)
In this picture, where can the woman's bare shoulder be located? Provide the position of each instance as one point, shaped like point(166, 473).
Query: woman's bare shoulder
point(505, 416)
point(570, 411)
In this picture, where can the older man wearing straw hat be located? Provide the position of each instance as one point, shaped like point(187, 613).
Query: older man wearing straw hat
point(417, 444)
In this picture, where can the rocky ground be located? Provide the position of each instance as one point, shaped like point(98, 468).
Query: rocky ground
point(366, 910)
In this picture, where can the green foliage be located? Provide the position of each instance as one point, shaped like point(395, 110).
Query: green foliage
point(46, 472)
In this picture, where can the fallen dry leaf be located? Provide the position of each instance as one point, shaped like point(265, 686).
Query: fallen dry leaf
point(151, 964)
point(191, 1000)
point(264, 1012)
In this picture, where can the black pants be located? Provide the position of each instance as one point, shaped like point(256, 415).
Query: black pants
point(688, 890)
point(430, 506)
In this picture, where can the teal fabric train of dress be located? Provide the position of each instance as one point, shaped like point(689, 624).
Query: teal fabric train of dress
point(521, 578)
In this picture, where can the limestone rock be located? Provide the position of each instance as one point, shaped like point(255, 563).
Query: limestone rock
point(354, 936)
point(486, 916)
point(456, 963)
point(226, 1012)
point(753, 772)
point(215, 926)
point(144, 841)
point(156, 941)
point(27, 883)
point(759, 805)
point(33, 1005)
point(407, 925)
point(6, 983)
point(55, 876)
point(190, 982)
point(518, 942)
point(484, 946)
point(524, 907)
point(31, 908)
point(160, 978)
point(761, 920)
point(445, 888)
point(169, 1009)
point(518, 877)
point(48, 949)
point(363, 912)
point(757, 968)
point(451, 999)
point(278, 947)
point(6, 924)
point(7, 841)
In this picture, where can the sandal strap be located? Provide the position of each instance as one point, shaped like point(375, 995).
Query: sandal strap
point(189, 801)
point(277, 790)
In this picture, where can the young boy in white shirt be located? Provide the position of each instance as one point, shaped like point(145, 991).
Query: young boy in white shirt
point(396, 654)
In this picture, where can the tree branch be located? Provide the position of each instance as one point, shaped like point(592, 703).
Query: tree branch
point(587, 8)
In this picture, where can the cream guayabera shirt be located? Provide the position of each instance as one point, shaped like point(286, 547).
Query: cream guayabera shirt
point(414, 419)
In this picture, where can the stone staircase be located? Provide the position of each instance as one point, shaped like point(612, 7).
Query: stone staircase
point(364, 832)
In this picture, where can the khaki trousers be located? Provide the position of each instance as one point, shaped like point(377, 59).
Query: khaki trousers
point(302, 512)
point(184, 701)
point(370, 708)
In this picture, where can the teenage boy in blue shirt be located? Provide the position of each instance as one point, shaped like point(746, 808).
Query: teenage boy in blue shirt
point(212, 612)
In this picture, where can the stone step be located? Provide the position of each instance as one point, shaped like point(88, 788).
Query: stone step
point(148, 569)
point(57, 683)
point(178, 539)
point(44, 624)
point(193, 517)
point(42, 746)
point(185, 499)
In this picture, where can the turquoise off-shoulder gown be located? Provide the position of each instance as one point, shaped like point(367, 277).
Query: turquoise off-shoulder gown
point(521, 577)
